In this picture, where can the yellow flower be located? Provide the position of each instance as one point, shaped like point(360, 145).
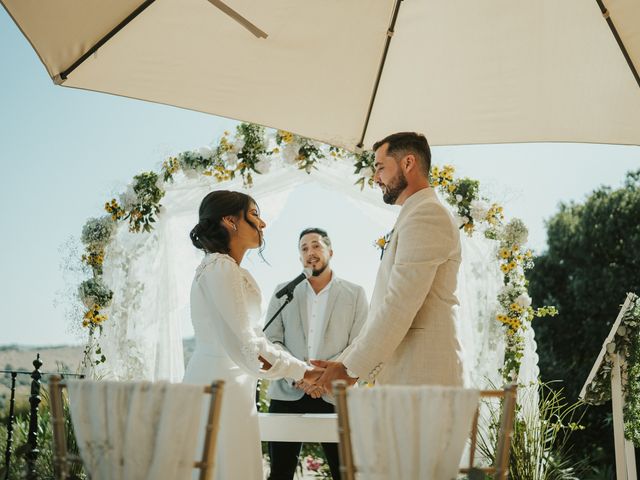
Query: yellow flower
point(452, 188)
point(381, 242)
point(520, 258)
point(505, 268)
point(468, 228)
point(515, 307)
point(512, 265)
point(276, 150)
point(226, 133)
point(504, 253)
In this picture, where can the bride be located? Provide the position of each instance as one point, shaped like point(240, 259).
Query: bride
point(230, 345)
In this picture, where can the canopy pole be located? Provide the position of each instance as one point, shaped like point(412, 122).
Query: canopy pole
point(223, 7)
point(623, 49)
point(390, 33)
point(61, 77)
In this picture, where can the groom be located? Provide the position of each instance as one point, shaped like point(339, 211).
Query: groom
point(410, 335)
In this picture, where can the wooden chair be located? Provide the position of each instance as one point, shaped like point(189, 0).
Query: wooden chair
point(62, 459)
point(500, 468)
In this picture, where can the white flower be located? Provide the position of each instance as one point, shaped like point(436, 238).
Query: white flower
point(523, 300)
point(515, 233)
point(479, 209)
point(289, 153)
point(622, 330)
point(191, 173)
point(129, 198)
point(238, 144)
point(458, 198)
point(263, 165)
point(205, 152)
point(462, 221)
point(611, 347)
point(230, 160)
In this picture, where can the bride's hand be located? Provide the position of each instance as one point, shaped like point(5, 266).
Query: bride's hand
point(313, 391)
point(265, 365)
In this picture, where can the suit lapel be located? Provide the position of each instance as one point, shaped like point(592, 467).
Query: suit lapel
point(334, 293)
point(301, 298)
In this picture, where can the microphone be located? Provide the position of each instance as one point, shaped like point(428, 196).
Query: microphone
point(288, 288)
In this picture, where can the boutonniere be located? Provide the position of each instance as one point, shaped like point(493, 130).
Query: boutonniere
point(383, 242)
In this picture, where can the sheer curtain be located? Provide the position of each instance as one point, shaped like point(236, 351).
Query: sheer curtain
point(151, 275)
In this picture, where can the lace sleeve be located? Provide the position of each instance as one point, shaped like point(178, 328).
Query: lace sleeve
point(221, 283)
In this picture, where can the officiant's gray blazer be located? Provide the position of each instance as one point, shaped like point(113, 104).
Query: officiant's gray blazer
point(345, 314)
point(410, 336)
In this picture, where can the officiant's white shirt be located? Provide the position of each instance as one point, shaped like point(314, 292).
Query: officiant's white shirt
point(316, 313)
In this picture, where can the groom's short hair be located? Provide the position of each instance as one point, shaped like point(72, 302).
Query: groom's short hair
point(319, 231)
point(405, 143)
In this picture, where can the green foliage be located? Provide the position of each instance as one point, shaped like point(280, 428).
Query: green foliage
point(540, 446)
point(94, 292)
point(591, 263)
point(364, 164)
point(44, 462)
point(144, 212)
point(632, 387)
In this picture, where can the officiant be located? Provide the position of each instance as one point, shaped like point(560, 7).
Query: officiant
point(325, 316)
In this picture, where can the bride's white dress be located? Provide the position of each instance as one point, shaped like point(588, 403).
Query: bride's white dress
point(225, 311)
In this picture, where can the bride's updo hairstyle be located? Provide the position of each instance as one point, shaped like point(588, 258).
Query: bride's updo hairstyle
point(209, 234)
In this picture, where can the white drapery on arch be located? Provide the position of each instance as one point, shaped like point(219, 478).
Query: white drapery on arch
point(150, 275)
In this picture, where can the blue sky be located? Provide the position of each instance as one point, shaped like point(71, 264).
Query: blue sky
point(64, 152)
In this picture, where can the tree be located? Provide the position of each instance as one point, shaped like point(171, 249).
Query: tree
point(592, 261)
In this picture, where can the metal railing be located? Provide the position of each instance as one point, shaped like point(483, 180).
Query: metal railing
point(34, 403)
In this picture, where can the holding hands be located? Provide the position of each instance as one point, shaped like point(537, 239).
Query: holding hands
point(318, 381)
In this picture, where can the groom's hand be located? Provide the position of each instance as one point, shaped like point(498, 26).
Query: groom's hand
point(332, 371)
point(312, 375)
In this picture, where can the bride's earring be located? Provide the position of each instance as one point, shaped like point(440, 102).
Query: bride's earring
point(235, 227)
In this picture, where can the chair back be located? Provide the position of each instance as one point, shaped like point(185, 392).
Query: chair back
point(63, 460)
point(500, 467)
point(403, 431)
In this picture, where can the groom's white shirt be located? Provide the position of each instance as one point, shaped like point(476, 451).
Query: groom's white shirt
point(410, 335)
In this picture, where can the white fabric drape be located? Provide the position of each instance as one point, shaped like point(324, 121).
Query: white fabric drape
point(150, 275)
point(135, 431)
point(410, 432)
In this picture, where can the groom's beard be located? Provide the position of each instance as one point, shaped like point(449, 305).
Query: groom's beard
point(394, 188)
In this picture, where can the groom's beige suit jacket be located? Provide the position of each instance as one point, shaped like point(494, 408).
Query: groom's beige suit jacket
point(410, 335)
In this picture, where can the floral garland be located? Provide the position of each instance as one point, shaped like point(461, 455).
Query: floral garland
point(250, 152)
point(626, 341)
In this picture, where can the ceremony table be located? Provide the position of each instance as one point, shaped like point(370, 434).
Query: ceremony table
point(307, 427)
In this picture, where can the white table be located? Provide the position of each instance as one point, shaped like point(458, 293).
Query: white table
point(293, 427)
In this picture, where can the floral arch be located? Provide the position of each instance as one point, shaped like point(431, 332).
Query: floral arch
point(136, 287)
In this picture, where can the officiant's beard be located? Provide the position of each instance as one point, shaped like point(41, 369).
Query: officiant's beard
point(318, 272)
point(394, 188)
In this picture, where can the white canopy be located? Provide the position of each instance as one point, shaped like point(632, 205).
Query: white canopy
point(462, 72)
